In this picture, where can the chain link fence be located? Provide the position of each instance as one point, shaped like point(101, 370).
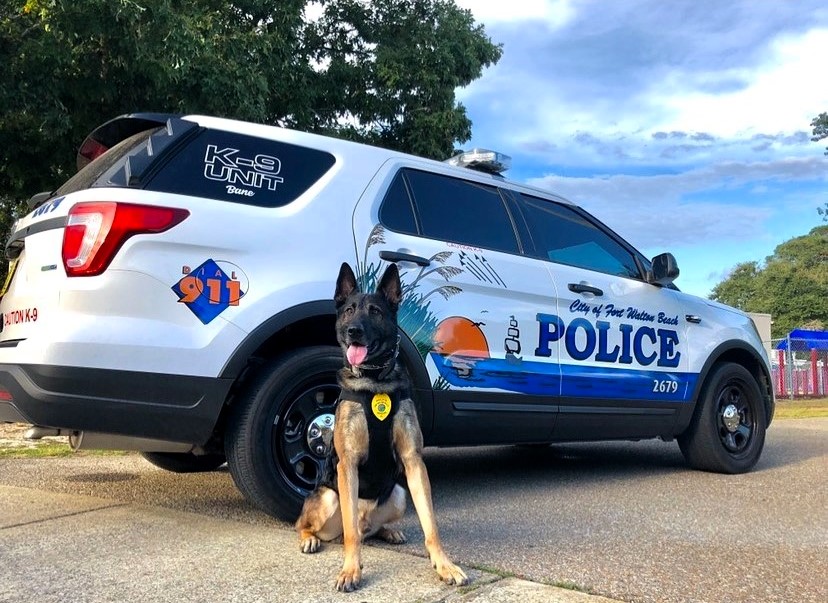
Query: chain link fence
point(800, 366)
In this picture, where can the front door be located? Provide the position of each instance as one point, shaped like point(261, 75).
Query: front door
point(471, 303)
point(624, 351)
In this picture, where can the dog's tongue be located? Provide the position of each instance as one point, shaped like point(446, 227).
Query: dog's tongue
point(356, 354)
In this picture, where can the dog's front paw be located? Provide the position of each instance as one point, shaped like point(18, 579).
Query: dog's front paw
point(349, 579)
point(448, 572)
point(309, 544)
point(391, 536)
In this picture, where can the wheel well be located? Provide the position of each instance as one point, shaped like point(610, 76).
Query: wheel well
point(313, 330)
point(316, 329)
point(748, 360)
point(308, 331)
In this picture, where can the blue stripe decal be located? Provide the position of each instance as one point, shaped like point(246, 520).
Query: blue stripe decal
point(568, 380)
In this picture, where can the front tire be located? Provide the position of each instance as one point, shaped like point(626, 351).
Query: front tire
point(280, 429)
point(727, 432)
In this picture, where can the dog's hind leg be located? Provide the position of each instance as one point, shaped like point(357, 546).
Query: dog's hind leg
point(320, 519)
point(388, 512)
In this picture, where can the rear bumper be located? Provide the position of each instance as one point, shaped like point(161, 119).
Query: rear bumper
point(168, 407)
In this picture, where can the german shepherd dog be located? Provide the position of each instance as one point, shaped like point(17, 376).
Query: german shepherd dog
point(376, 441)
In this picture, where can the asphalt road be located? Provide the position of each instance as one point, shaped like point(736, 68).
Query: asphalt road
point(624, 520)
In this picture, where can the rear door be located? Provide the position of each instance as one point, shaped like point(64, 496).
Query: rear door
point(624, 350)
point(471, 302)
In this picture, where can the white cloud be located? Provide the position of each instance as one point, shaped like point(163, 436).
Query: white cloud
point(683, 125)
point(666, 210)
point(595, 86)
point(779, 95)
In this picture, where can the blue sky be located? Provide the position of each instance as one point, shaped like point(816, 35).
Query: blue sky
point(683, 124)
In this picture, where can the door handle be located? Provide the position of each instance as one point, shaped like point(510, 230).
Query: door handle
point(398, 256)
point(584, 288)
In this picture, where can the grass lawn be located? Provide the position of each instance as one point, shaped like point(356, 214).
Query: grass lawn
point(801, 409)
point(14, 446)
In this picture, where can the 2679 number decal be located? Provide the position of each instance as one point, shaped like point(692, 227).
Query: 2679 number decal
point(665, 386)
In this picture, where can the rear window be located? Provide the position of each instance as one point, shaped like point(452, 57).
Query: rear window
point(242, 169)
point(110, 160)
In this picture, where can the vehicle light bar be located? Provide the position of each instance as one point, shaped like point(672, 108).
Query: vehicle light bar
point(482, 160)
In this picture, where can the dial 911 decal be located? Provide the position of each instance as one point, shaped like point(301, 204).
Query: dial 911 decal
point(211, 288)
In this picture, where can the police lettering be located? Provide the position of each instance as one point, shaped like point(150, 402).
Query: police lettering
point(623, 344)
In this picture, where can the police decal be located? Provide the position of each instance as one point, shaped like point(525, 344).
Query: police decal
point(627, 343)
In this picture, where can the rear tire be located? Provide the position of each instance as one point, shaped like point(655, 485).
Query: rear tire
point(280, 429)
point(185, 462)
point(727, 431)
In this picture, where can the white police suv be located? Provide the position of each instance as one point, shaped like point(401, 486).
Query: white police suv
point(175, 297)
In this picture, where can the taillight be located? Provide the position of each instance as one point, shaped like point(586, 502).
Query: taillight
point(96, 231)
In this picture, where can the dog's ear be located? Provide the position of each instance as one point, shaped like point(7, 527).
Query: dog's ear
point(390, 286)
point(345, 284)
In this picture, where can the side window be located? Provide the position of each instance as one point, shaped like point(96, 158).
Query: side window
point(461, 211)
point(563, 235)
point(396, 212)
point(242, 169)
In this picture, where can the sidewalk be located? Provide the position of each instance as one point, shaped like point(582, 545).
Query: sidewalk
point(58, 547)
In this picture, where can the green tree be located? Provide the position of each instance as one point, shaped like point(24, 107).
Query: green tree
point(739, 289)
point(792, 285)
point(820, 126)
point(383, 72)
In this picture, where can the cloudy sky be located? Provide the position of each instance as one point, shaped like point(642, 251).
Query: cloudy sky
point(682, 124)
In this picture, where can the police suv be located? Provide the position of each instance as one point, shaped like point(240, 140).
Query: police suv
point(174, 297)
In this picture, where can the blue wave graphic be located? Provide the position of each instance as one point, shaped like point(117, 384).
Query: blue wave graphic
point(569, 380)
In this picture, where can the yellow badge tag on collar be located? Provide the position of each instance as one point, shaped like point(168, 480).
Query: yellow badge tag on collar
point(381, 405)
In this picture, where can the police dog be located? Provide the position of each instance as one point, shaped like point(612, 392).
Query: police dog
point(376, 441)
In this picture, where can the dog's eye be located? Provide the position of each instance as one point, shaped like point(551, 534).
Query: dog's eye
point(348, 311)
point(375, 311)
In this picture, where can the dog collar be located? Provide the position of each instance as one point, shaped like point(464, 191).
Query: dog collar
point(385, 368)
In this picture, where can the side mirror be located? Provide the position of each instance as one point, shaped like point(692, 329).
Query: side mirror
point(665, 269)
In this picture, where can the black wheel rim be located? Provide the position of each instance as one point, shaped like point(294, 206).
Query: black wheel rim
point(735, 418)
point(299, 464)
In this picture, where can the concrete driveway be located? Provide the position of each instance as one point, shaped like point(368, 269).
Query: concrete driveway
point(621, 520)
